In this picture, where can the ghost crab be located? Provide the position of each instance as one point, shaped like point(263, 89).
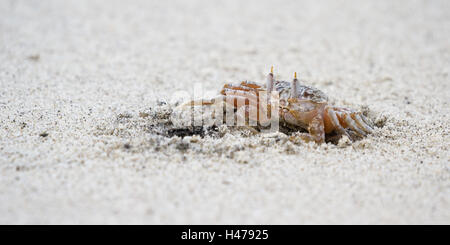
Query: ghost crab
point(299, 106)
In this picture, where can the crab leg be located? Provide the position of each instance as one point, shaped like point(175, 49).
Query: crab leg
point(201, 102)
point(349, 121)
point(242, 115)
point(251, 85)
point(248, 112)
point(358, 119)
point(239, 102)
point(367, 121)
point(334, 120)
point(252, 97)
point(244, 86)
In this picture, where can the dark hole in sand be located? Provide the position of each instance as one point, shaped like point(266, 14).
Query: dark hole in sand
point(214, 132)
point(190, 131)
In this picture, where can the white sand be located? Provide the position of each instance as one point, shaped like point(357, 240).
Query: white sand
point(102, 63)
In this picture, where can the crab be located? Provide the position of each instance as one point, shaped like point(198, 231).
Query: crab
point(298, 107)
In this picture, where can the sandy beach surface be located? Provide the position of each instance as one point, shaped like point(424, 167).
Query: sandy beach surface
point(87, 87)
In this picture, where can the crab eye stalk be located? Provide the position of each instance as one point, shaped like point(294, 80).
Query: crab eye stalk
point(270, 81)
point(269, 84)
point(294, 88)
